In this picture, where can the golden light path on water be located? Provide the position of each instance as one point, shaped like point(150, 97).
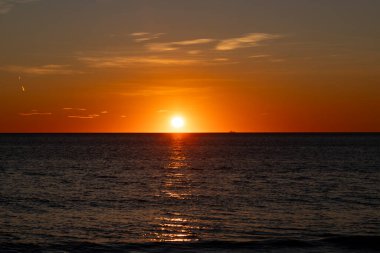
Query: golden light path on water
point(176, 186)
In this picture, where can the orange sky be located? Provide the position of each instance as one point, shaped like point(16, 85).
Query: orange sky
point(246, 66)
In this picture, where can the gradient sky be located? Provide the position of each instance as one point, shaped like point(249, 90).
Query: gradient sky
point(224, 65)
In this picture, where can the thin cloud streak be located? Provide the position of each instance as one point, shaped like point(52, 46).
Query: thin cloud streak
point(123, 62)
point(90, 116)
point(144, 36)
point(171, 46)
point(76, 109)
point(80, 117)
point(259, 56)
point(112, 61)
point(35, 113)
point(249, 40)
point(138, 34)
point(50, 69)
point(120, 62)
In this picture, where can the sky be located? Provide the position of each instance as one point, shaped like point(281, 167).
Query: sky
point(221, 65)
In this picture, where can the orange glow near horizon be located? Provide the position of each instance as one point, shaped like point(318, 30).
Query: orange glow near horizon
point(220, 76)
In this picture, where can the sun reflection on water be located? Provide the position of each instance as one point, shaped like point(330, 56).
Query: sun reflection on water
point(177, 229)
point(174, 224)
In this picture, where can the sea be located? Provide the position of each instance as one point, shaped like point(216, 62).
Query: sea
point(215, 192)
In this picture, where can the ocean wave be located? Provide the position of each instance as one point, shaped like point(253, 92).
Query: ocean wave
point(356, 242)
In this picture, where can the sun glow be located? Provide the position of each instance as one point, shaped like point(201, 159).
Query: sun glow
point(177, 122)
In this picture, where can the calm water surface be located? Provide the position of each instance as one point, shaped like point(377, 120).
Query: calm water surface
point(190, 193)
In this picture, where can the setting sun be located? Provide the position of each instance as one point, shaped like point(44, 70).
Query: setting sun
point(177, 122)
point(190, 125)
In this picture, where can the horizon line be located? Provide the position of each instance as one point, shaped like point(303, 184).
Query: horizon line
point(216, 132)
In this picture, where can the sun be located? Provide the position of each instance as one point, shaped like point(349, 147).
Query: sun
point(177, 122)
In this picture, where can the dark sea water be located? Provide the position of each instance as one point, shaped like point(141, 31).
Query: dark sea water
point(190, 193)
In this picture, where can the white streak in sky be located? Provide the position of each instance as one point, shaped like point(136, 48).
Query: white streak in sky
point(22, 86)
point(91, 116)
point(171, 46)
point(35, 113)
point(50, 69)
point(75, 109)
point(144, 36)
point(249, 40)
point(80, 117)
point(121, 61)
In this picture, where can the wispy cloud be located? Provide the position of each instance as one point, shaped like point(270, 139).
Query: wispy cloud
point(76, 109)
point(50, 69)
point(136, 61)
point(192, 42)
point(80, 113)
point(266, 57)
point(194, 55)
point(90, 116)
point(144, 36)
point(139, 34)
point(120, 62)
point(35, 113)
point(259, 56)
point(171, 46)
point(7, 5)
point(80, 117)
point(249, 40)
